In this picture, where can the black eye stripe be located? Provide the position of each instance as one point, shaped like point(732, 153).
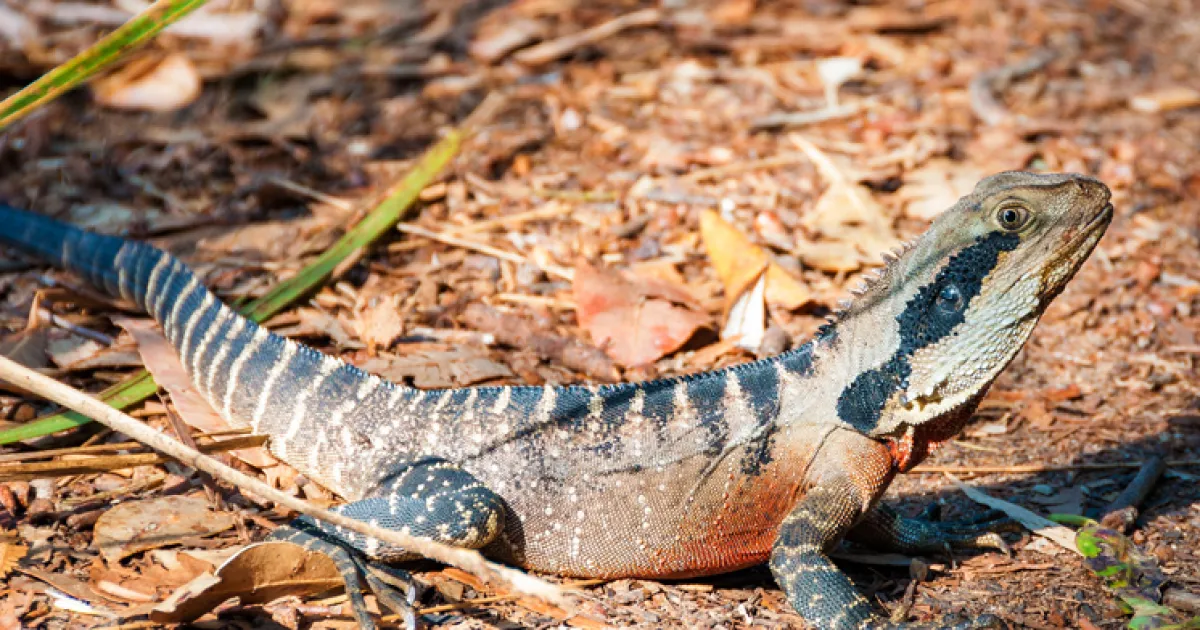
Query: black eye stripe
point(921, 325)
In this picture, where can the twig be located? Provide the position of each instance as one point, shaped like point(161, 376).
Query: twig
point(100, 448)
point(737, 168)
point(536, 300)
point(25, 471)
point(780, 120)
point(1041, 526)
point(75, 502)
point(86, 333)
point(301, 189)
point(982, 89)
point(519, 333)
point(1040, 468)
point(1123, 511)
point(554, 270)
point(548, 212)
point(1180, 599)
point(465, 559)
point(546, 52)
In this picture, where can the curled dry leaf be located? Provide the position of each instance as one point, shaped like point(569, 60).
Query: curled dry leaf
point(846, 214)
point(152, 84)
point(739, 262)
point(634, 320)
point(164, 365)
point(147, 524)
point(747, 320)
point(258, 574)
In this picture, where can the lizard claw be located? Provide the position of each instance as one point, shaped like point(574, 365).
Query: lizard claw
point(393, 587)
point(888, 529)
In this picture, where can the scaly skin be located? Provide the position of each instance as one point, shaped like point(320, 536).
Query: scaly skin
point(776, 460)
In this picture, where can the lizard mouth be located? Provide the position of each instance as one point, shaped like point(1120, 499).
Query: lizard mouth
point(1091, 231)
point(1103, 217)
point(1077, 250)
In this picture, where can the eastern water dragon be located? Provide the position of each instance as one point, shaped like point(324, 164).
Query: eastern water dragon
point(772, 461)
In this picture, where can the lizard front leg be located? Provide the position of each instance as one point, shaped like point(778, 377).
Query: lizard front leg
point(845, 480)
point(430, 499)
point(886, 529)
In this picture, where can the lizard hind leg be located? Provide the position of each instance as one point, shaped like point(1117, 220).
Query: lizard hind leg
point(432, 499)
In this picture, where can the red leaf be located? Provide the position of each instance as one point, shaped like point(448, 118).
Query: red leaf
point(631, 327)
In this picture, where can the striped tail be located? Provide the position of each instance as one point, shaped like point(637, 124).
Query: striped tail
point(145, 275)
point(252, 377)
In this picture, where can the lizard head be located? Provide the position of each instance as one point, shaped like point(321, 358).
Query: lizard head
point(960, 302)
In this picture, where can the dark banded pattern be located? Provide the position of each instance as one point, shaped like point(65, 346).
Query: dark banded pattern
point(774, 460)
point(251, 376)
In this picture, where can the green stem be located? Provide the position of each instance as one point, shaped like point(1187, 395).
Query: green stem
point(86, 64)
point(397, 201)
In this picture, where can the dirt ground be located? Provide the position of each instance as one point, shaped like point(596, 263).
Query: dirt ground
point(610, 151)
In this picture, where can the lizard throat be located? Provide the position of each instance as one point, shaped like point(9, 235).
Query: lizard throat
point(919, 441)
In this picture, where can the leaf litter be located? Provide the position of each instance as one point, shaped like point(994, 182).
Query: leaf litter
point(682, 94)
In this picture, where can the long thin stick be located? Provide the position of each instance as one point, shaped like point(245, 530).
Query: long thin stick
point(114, 419)
point(483, 248)
point(23, 471)
point(1039, 468)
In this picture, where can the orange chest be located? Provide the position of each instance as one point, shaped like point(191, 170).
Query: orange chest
point(739, 530)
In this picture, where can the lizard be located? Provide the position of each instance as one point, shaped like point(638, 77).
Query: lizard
point(775, 460)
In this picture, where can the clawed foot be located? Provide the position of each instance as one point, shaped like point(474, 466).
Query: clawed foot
point(394, 588)
point(884, 528)
point(981, 532)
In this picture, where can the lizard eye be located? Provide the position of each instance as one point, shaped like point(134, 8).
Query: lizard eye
point(950, 298)
point(1012, 217)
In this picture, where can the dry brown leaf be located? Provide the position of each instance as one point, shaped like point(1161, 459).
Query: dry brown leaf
point(732, 12)
point(634, 320)
point(72, 349)
point(785, 290)
point(317, 323)
point(13, 608)
point(845, 213)
point(163, 363)
point(258, 574)
point(379, 324)
point(147, 524)
point(27, 347)
point(739, 262)
point(150, 83)
point(935, 186)
point(10, 554)
point(434, 369)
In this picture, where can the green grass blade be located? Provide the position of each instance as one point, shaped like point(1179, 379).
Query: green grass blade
point(396, 202)
point(86, 64)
